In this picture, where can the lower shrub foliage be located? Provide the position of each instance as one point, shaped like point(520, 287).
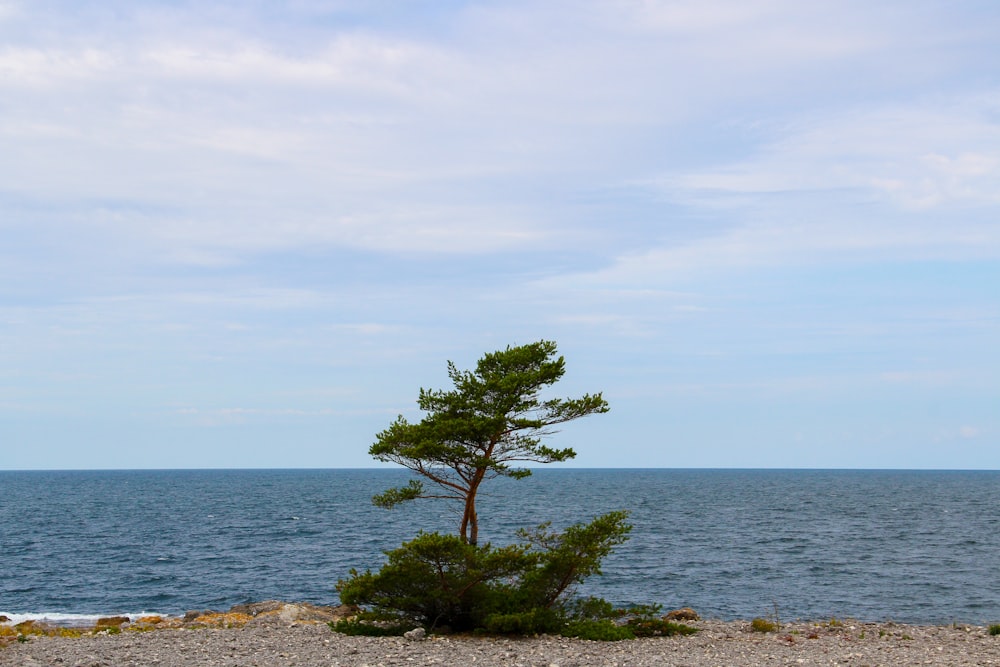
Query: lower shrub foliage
point(441, 582)
point(369, 627)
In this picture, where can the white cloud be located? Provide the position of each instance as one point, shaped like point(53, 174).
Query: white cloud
point(934, 179)
point(399, 143)
point(763, 32)
point(420, 228)
point(8, 10)
point(52, 68)
point(904, 182)
point(464, 147)
point(789, 243)
point(267, 299)
point(363, 62)
point(256, 142)
point(917, 155)
point(687, 16)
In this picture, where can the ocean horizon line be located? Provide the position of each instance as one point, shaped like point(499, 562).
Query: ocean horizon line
point(534, 469)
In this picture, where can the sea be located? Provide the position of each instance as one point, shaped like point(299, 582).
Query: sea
point(909, 546)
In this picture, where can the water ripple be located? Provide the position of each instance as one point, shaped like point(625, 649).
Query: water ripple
point(911, 546)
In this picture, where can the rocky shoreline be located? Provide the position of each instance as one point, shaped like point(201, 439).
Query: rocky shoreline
point(285, 634)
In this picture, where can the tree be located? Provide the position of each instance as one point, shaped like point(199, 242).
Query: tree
point(439, 580)
point(435, 580)
point(493, 420)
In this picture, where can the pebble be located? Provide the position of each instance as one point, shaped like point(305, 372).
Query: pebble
point(315, 645)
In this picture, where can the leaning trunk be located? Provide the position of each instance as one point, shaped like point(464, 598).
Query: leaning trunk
point(470, 522)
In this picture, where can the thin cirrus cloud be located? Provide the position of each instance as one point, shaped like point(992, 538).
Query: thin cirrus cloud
point(226, 203)
point(175, 123)
point(406, 77)
point(254, 168)
point(921, 155)
point(869, 169)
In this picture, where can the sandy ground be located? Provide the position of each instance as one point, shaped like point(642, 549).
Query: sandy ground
point(723, 644)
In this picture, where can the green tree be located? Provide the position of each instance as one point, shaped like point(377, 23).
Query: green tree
point(493, 420)
point(569, 557)
point(436, 580)
point(440, 580)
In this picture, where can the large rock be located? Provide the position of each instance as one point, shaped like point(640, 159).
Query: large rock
point(287, 612)
point(254, 608)
point(219, 620)
point(683, 614)
point(307, 612)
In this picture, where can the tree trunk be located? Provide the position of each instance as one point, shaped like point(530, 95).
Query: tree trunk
point(470, 522)
point(474, 527)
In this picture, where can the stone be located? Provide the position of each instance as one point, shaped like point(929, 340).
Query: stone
point(29, 627)
point(416, 634)
point(683, 614)
point(195, 613)
point(303, 612)
point(217, 619)
point(4, 619)
point(112, 621)
point(255, 608)
point(309, 612)
point(150, 620)
point(290, 613)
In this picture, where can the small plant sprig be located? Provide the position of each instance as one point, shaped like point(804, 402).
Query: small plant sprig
point(772, 624)
point(994, 630)
point(763, 625)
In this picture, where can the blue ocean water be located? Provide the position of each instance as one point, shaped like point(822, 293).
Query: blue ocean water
point(911, 546)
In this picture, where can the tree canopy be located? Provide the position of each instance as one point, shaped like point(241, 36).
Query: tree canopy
point(491, 422)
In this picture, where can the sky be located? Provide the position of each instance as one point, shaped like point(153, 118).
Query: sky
point(244, 234)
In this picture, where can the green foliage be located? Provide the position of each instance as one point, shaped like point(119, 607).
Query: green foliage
point(439, 580)
point(994, 630)
point(602, 630)
point(570, 557)
point(493, 418)
point(534, 621)
point(634, 622)
point(656, 627)
point(591, 608)
point(644, 621)
point(360, 627)
point(763, 625)
point(392, 497)
point(599, 627)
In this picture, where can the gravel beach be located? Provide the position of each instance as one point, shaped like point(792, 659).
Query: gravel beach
point(275, 642)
